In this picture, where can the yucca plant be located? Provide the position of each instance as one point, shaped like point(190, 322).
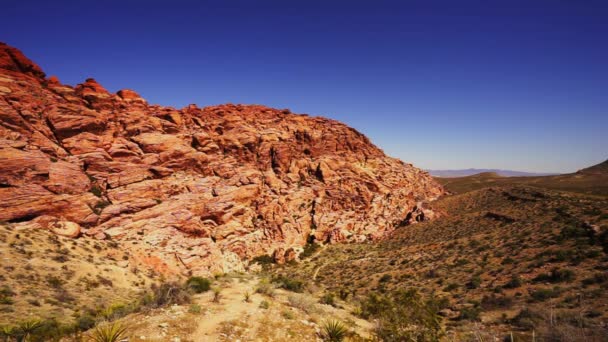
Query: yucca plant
point(109, 332)
point(7, 332)
point(25, 329)
point(334, 331)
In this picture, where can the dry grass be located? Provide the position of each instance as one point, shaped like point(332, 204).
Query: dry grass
point(496, 252)
point(47, 276)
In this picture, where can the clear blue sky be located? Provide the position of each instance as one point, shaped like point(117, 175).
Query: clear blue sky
point(444, 84)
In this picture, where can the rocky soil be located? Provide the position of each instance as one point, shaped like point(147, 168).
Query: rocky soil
point(191, 190)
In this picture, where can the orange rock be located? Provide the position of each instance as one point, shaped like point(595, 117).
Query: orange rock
point(199, 189)
point(66, 228)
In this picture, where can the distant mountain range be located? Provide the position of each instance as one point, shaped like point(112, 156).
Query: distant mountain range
point(470, 172)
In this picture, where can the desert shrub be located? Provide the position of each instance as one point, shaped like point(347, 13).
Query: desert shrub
point(100, 205)
point(450, 287)
point(470, 313)
point(507, 261)
point(474, 283)
point(343, 294)
point(265, 287)
point(328, 299)
point(264, 304)
point(572, 232)
point(198, 284)
point(290, 284)
point(168, 294)
point(302, 302)
point(5, 295)
point(263, 259)
point(403, 315)
point(541, 295)
point(54, 281)
point(603, 240)
point(492, 301)
point(333, 331)
point(597, 278)
point(526, 319)
point(96, 190)
point(194, 308)
point(309, 250)
point(116, 311)
point(555, 276)
point(288, 314)
point(514, 282)
point(85, 322)
point(385, 278)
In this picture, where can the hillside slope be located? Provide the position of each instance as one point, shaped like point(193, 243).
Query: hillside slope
point(503, 259)
point(592, 181)
point(191, 190)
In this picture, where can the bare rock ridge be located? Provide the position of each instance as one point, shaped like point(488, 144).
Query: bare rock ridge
point(198, 190)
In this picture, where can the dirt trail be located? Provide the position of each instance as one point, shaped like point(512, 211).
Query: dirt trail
point(234, 319)
point(232, 306)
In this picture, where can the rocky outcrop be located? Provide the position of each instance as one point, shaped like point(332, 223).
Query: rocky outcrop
point(193, 189)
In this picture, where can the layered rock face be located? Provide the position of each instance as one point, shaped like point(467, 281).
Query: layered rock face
point(198, 190)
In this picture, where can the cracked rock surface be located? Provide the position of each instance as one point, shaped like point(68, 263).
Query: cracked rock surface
point(192, 189)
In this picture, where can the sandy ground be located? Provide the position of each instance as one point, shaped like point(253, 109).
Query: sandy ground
point(261, 318)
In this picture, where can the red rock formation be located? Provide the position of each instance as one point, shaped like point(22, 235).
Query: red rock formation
point(192, 189)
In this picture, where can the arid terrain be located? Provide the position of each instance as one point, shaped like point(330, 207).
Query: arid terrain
point(247, 223)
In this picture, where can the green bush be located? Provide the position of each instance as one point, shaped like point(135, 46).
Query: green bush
point(263, 259)
point(450, 287)
point(290, 284)
point(85, 322)
point(328, 299)
point(385, 278)
point(403, 315)
point(470, 313)
point(309, 249)
point(597, 278)
point(514, 282)
point(555, 276)
point(198, 284)
point(474, 283)
point(96, 190)
point(541, 295)
point(194, 308)
point(265, 288)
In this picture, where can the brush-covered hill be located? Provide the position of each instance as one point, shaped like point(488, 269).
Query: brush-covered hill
point(501, 260)
point(592, 181)
point(191, 190)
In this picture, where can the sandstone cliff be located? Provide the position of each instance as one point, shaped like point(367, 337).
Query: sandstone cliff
point(192, 189)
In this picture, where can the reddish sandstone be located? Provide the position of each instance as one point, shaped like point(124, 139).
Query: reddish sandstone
point(197, 189)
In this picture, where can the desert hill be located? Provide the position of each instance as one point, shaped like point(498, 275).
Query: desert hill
point(503, 261)
point(191, 190)
point(599, 169)
point(592, 180)
point(471, 172)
